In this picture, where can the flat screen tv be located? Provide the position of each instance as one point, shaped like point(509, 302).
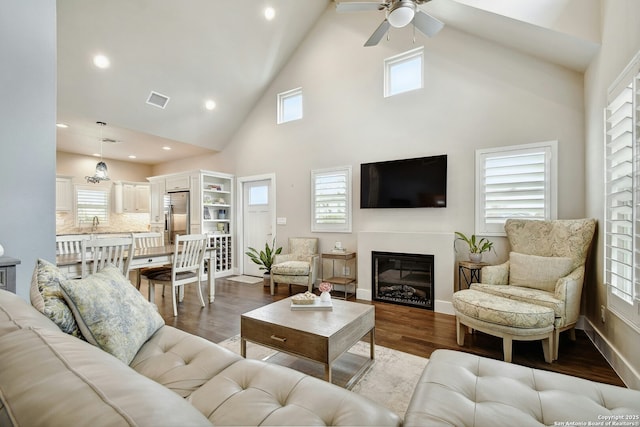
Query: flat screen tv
point(408, 183)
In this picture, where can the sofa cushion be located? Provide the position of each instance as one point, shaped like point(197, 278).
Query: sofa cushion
point(111, 313)
point(16, 313)
point(291, 268)
point(461, 389)
point(50, 378)
point(181, 361)
point(537, 272)
point(46, 296)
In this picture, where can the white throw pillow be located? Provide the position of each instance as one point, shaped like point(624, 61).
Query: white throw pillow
point(537, 272)
point(111, 312)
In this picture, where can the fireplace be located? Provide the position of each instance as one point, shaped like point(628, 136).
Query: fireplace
point(403, 278)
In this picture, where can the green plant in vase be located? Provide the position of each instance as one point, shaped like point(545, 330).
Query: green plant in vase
point(265, 257)
point(477, 246)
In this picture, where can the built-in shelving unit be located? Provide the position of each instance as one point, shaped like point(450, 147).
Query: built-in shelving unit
point(217, 217)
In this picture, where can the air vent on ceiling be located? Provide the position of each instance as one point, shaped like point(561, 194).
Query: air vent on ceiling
point(157, 100)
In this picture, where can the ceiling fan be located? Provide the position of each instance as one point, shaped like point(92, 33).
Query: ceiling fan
point(400, 13)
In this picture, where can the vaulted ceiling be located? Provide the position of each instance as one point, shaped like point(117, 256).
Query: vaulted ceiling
point(197, 50)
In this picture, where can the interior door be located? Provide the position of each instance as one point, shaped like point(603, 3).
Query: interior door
point(257, 220)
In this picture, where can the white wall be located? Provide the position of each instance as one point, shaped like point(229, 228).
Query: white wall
point(476, 95)
point(620, 42)
point(27, 133)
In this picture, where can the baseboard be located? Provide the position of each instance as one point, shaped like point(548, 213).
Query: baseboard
point(625, 371)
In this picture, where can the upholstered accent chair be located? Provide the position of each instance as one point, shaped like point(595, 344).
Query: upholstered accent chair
point(299, 266)
point(546, 267)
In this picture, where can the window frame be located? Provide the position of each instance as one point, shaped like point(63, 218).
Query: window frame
point(402, 58)
point(281, 101)
point(550, 151)
point(77, 205)
point(344, 227)
point(622, 302)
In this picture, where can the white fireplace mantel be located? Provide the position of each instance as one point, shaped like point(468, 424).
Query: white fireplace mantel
point(438, 244)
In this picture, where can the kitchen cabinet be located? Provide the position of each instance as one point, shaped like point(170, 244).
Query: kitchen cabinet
point(157, 190)
point(64, 193)
point(132, 197)
point(180, 182)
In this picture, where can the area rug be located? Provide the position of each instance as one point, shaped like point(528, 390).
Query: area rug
point(248, 280)
point(390, 381)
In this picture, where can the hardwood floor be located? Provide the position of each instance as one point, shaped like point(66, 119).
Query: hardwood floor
point(408, 329)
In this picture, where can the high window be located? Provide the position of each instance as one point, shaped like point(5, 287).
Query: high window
point(404, 72)
point(290, 105)
point(92, 202)
point(331, 200)
point(515, 182)
point(622, 196)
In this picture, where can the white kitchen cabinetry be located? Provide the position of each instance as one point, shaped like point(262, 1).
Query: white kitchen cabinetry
point(179, 182)
point(64, 193)
point(132, 197)
point(157, 189)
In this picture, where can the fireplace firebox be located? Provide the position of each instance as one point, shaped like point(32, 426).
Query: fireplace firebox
point(401, 278)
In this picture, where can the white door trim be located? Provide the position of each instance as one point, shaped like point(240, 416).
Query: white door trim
point(240, 217)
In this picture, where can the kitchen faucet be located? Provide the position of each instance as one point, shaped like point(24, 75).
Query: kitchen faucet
point(95, 223)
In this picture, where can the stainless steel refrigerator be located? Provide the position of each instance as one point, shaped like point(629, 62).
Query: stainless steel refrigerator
point(177, 214)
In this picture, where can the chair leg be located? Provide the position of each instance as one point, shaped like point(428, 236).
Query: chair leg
point(200, 293)
point(138, 279)
point(173, 296)
point(547, 348)
point(272, 285)
point(460, 331)
point(556, 343)
point(507, 344)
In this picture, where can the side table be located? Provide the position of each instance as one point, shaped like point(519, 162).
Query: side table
point(341, 279)
point(8, 273)
point(469, 272)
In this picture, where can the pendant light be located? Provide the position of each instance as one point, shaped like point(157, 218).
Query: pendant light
point(101, 173)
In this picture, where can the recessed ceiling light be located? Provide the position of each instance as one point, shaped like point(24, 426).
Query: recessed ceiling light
point(96, 154)
point(269, 13)
point(101, 61)
point(210, 104)
point(166, 148)
point(62, 125)
point(131, 156)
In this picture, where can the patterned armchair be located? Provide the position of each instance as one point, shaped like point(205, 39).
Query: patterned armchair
point(546, 267)
point(299, 266)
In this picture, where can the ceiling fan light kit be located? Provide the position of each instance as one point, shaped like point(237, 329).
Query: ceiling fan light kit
point(399, 13)
point(101, 173)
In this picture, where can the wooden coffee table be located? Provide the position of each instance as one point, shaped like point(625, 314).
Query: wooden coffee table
point(321, 336)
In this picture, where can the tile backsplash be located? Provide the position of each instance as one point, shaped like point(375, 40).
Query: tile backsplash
point(118, 223)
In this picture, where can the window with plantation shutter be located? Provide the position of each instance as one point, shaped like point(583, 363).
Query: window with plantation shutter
point(622, 196)
point(331, 200)
point(515, 182)
point(92, 202)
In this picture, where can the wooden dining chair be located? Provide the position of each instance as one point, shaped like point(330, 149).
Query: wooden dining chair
point(70, 243)
point(97, 253)
point(147, 240)
point(187, 267)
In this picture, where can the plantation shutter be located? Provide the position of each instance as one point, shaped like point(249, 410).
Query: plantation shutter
point(514, 182)
point(92, 203)
point(331, 200)
point(622, 196)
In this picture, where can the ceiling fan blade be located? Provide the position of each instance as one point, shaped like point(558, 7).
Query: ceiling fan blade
point(357, 6)
point(427, 24)
point(378, 34)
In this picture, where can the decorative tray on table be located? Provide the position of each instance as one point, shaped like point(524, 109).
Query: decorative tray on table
point(309, 301)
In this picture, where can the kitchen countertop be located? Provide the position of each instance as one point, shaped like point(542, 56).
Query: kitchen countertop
point(101, 232)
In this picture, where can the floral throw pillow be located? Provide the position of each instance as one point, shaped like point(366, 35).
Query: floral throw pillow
point(111, 312)
point(46, 297)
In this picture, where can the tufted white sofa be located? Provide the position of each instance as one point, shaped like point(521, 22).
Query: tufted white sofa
point(461, 389)
point(50, 378)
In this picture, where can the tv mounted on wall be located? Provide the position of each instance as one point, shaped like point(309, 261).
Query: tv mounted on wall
point(408, 183)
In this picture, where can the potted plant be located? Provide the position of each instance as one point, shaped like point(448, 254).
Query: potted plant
point(264, 259)
point(476, 246)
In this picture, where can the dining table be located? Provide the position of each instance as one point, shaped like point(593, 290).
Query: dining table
point(154, 256)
